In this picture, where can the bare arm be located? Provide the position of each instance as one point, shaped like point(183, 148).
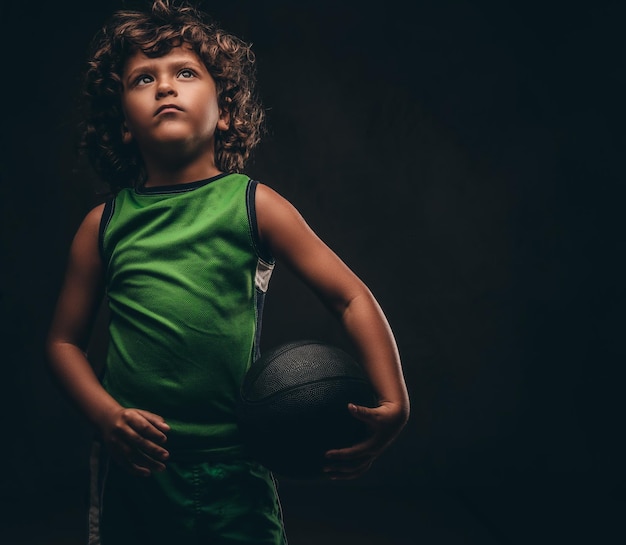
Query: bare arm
point(129, 433)
point(293, 242)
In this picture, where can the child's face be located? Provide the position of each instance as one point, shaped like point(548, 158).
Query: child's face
point(170, 100)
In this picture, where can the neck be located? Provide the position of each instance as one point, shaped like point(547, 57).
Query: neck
point(173, 169)
point(160, 177)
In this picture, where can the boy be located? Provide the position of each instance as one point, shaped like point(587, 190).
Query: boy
point(184, 251)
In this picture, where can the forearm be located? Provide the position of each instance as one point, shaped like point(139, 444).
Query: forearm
point(367, 326)
point(77, 379)
point(134, 437)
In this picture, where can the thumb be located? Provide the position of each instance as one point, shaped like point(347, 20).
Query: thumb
point(365, 414)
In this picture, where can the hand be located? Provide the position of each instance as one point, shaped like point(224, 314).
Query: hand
point(384, 422)
point(134, 438)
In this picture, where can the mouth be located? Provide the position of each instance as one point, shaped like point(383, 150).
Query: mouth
point(168, 108)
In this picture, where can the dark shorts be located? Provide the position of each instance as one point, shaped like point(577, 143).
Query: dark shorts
point(204, 503)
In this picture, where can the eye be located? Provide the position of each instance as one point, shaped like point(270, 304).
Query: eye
point(186, 73)
point(144, 79)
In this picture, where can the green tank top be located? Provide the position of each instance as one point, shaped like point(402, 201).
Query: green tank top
point(185, 280)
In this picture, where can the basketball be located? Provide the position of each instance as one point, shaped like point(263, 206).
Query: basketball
point(294, 406)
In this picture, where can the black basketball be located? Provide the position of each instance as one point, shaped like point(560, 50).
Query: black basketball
point(293, 406)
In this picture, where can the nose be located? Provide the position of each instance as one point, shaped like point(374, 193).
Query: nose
point(165, 88)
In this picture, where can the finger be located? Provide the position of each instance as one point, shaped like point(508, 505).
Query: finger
point(135, 469)
point(136, 461)
point(148, 438)
point(348, 472)
point(156, 420)
point(348, 465)
point(124, 460)
point(143, 461)
point(128, 440)
point(138, 470)
point(150, 449)
point(360, 450)
point(153, 426)
point(365, 414)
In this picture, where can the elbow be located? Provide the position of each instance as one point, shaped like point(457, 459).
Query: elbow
point(50, 352)
point(54, 349)
point(406, 411)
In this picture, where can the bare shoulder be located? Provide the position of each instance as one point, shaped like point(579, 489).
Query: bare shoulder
point(91, 221)
point(270, 203)
point(275, 211)
point(86, 241)
point(281, 225)
point(94, 216)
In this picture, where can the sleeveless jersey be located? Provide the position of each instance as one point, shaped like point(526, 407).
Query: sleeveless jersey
point(185, 279)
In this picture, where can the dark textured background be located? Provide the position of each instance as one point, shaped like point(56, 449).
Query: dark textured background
point(465, 159)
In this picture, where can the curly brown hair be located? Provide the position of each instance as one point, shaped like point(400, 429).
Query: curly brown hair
point(155, 31)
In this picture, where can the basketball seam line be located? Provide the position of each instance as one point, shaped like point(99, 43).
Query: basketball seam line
point(292, 388)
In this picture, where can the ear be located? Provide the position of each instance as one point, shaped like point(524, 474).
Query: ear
point(126, 134)
point(224, 120)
